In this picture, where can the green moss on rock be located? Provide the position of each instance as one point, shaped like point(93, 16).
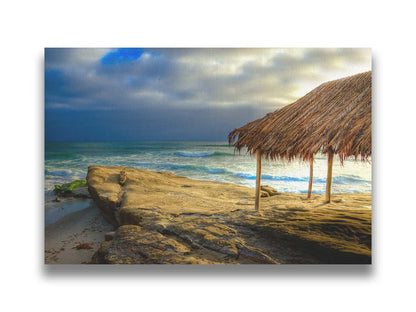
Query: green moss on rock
point(67, 188)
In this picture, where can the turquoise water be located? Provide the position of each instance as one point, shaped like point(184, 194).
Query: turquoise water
point(213, 161)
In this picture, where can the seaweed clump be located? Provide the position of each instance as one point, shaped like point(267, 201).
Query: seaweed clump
point(67, 188)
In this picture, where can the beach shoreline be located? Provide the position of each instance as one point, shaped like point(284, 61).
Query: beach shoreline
point(86, 226)
point(205, 223)
point(210, 161)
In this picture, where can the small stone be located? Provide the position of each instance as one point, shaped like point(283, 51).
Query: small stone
point(123, 177)
point(109, 236)
point(269, 190)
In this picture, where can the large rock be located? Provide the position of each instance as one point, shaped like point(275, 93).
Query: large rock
point(164, 218)
point(81, 192)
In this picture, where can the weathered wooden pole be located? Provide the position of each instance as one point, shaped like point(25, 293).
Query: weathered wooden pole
point(310, 178)
point(329, 177)
point(258, 178)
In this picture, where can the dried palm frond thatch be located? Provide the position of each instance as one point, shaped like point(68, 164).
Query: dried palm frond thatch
point(334, 118)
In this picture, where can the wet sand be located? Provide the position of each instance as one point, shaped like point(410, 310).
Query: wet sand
point(86, 226)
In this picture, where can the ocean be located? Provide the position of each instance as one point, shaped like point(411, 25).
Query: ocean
point(213, 161)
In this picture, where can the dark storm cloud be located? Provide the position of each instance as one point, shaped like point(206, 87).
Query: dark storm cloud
point(146, 124)
point(169, 81)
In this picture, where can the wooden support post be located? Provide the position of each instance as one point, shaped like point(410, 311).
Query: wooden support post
point(310, 178)
point(258, 178)
point(329, 177)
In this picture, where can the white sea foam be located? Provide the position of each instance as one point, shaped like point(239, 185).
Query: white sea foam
point(213, 161)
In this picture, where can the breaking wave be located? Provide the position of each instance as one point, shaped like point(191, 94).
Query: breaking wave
point(336, 180)
point(201, 154)
point(169, 167)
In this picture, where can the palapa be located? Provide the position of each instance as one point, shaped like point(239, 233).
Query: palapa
point(334, 118)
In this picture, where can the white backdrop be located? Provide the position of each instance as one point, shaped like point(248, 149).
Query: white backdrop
point(29, 26)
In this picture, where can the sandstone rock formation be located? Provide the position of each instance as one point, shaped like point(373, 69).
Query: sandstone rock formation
point(164, 218)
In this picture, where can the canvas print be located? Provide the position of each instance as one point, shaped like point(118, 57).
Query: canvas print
point(208, 156)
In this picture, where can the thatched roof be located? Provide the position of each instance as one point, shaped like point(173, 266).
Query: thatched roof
point(334, 117)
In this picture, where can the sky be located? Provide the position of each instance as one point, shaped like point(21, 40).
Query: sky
point(145, 94)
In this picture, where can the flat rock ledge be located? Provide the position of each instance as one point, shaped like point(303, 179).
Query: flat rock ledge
point(162, 218)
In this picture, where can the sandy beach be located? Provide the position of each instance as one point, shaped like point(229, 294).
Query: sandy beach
point(86, 226)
